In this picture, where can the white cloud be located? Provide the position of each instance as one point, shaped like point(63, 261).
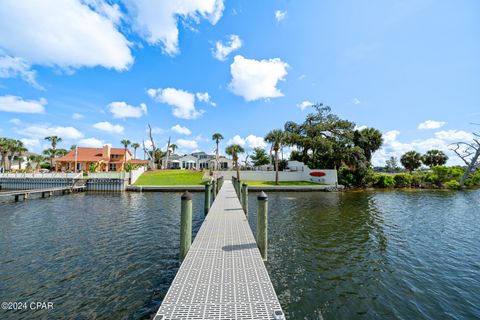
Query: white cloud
point(110, 11)
point(222, 50)
point(280, 15)
point(183, 102)
point(251, 141)
point(431, 124)
point(155, 130)
point(360, 128)
point(304, 105)
point(121, 109)
point(355, 101)
point(454, 135)
point(187, 144)
point(390, 136)
point(90, 143)
point(13, 67)
point(42, 131)
point(256, 79)
point(156, 21)
point(30, 143)
point(66, 34)
point(15, 121)
point(181, 130)
point(108, 127)
point(77, 116)
point(17, 104)
point(205, 97)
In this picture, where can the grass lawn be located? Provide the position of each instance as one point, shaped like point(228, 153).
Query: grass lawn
point(171, 178)
point(281, 183)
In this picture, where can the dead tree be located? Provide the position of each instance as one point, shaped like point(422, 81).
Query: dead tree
point(168, 153)
point(153, 159)
point(470, 154)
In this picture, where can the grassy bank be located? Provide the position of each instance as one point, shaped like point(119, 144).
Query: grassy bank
point(281, 183)
point(171, 178)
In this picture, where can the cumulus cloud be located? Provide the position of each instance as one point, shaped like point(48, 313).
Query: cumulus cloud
point(280, 15)
point(431, 124)
point(256, 79)
point(108, 127)
point(19, 105)
point(13, 67)
point(77, 116)
point(121, 110)
point(187, 144)
point(251, 141)
point(183, 102)
point(66, 34)
point(42, 131)
point(355, 101)
point(90, 143)
point(205, 97)
point(181, 130)
point(30, 143)
point(305, 104)
point(15, 121)
point(222, 50)
point(156, 21)
point(454, 135)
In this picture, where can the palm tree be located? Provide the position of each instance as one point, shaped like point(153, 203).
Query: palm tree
point(37, 160)
point(411, 160)
point(20, 149)
point(434, 158)
point(233, 150)
point(4, 148)
point(217, 137)
point(369, 139)
point(12, 148)
point(125, 143)
point(135, 146)
point(53, 152)
point(173, 147)
point(277, 139)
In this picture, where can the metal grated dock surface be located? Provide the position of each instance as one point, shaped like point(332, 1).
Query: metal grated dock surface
point(223, 275)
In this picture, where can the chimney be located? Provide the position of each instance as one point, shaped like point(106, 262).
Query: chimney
point(106, 151)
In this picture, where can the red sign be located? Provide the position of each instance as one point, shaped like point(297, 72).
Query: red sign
point(317, 174)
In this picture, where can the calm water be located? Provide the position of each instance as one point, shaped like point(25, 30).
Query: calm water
point(369, 255)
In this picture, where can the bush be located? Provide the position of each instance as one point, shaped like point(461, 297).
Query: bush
point(403, 180)
point(384, 181)
point(418, 179)
point(346, 177)
point(452, 184)
point(45, 166)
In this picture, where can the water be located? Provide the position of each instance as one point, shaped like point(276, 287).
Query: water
point(366, 255)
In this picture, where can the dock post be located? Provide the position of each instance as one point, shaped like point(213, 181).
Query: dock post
point(214, 189)
point(43, 194)
point(16, 198)
point(25, 196)
point(185, 225)
point(262, 224)
point(245, 198)
point(208, 187)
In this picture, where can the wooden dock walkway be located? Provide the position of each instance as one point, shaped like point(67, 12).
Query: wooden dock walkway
point(223, 275)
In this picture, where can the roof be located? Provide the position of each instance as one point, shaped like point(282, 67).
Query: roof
point(138, 161)
point(90, 154)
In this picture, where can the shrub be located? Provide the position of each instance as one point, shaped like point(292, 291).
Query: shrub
point(418, 178)
point(452, 184)
point(346, 177)
point(442, 173)
point(403, 180)
point(384, 181)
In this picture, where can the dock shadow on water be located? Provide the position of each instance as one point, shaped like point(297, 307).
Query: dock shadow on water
point(239, 247)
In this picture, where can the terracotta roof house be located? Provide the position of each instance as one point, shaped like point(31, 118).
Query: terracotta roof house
point(105, 158)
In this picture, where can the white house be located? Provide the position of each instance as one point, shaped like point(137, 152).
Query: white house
point(12, 163)
point(197, 161)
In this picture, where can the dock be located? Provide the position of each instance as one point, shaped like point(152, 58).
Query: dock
point(223, 275)
point(17, 194)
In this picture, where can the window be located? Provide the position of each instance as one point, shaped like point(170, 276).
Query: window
point(112, 167)
point(115, 156)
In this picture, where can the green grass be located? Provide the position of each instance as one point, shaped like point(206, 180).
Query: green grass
point(171, 178)
point(281, 183)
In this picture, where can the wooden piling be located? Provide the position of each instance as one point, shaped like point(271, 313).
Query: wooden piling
point(214, 189)
point(185, 224)
point(262, 224)
point(208, 188)
point(245, 198)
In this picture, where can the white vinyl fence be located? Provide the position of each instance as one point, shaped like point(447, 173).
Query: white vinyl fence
point(49, 175)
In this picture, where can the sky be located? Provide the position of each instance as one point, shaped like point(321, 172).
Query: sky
point(95, 72)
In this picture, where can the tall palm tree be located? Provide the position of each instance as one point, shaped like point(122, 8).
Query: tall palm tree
point(125, 143)
point(173, 147)
point(4, 147)
point(277, 139)
point(217, 137)
point(135, 146)
point(369, 139)
point(37, 160)
point(20, 150)
point(12, 149)
point(233, 150)
point(55, 140)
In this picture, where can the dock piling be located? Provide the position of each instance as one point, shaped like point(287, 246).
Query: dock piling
point(245, 198)
point(262, 224)
point(214, 189)
point(208, 187)
point(185, 224)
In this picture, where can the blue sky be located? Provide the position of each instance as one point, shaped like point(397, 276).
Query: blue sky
point(96, 71)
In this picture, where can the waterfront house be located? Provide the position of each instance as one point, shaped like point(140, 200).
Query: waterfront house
point(12, 161)
point(196, 161)
point(105, 159)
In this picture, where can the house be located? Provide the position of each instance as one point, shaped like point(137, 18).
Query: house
point(105, 159)
point(12, 161)
point(196, 161)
